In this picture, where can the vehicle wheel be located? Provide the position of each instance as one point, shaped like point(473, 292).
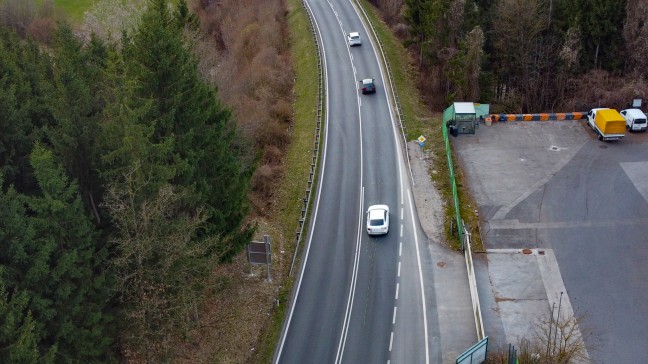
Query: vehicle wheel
point(600, 137)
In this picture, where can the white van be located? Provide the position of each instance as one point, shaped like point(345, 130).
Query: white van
point(635, 119)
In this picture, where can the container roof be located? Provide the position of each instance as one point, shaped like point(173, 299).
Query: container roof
point(464, 108)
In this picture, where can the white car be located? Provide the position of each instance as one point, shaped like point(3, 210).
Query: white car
point(635, 119)
point(378, 219)
point(354, 39)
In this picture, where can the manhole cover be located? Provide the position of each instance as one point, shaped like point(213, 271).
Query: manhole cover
point(603, 146)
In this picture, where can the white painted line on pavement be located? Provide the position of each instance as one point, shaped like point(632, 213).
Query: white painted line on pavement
point(418, 259)
point(319, 191)
point(400, 249)
point(391, 341)
point(401, 233)
point(354, 280)
point(399, 268)
point(394, 317)
point(397, 287)
point(402, 213)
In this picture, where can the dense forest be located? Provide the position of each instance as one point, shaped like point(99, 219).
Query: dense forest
point(126, 180)
point(525, 55)
point(124, 183)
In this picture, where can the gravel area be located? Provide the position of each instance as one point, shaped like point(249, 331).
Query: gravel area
point(429, 203)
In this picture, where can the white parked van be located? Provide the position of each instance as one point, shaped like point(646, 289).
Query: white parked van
point(635, 119)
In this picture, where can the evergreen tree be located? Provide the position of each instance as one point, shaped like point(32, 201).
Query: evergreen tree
point(18, 342)
point(76, 106)
point(600, 24)
point(205, 156)
point(125, 142)
point(24, 75)
point(49, 253)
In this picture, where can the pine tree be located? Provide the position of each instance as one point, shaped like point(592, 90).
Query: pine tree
point(76, 106)
point(24, 71)
point(600, 24)
point(18, 342)
point(206, 156)
point(50, 253)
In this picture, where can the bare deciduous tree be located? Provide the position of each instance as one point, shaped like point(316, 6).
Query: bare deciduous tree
point(107, 19)
point(159, 266)
point(391, 10)
point(474, 53)
point(247, 57)
point(635, 33)
point(17, 14)
point(554, 342)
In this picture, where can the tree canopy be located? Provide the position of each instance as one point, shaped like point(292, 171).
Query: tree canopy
point(124, 183)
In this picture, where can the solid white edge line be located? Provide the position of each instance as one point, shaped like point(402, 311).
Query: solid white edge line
point(418, 259)
point(319, 190)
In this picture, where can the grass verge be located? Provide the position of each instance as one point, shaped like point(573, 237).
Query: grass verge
point(297, 164)
point(75, 8)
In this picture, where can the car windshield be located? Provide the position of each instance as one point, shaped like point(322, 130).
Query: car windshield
point(355, 36)
point(640, 121)
point(376, 222)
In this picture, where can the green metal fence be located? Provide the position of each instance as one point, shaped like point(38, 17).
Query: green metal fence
point(453, 182)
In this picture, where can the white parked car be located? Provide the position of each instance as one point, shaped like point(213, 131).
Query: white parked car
point(635, 119)
point(354, 39)
point(378, 219)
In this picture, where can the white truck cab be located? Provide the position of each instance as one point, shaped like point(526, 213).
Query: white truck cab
point(635, 119)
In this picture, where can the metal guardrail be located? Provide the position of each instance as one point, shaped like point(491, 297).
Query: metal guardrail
point(472, 281)
point(395, 99)
point(318, 128)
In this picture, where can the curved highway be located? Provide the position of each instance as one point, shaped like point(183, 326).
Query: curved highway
point(357, 298)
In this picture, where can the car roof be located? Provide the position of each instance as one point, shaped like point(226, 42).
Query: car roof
point(378, 207)
point(376, 214)
point(367, 80)
point(635, 113)
point(354, 34)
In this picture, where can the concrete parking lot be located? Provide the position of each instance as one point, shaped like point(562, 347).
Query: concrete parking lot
point(579, 206)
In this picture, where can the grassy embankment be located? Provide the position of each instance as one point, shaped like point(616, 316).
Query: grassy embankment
point(74, 8)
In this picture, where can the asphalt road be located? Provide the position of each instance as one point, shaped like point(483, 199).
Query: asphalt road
point(357, 298)
point(552, 185)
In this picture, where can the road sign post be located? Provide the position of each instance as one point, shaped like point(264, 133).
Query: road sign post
point(259, 253)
